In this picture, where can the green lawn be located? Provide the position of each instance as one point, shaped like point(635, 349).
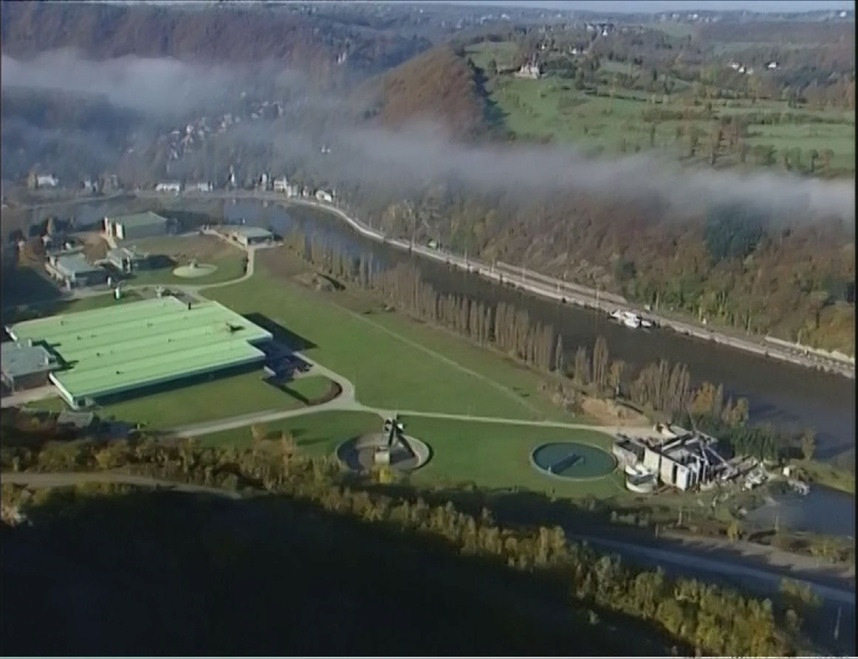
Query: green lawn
point(488, 455)
point(218, 399)
point(497, 456)
point(317, 434)
point(393, 362)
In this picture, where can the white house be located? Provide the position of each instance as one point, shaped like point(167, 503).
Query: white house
point(281, 184)
point(200, 187)
point(771, 66)
point(321, 195)
point(532, 71)
point(169, 186)
point(46, 181)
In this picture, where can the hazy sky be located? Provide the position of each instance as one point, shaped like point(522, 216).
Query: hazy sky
point(609, 6)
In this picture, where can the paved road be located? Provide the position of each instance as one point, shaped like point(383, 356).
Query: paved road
point(66, 479)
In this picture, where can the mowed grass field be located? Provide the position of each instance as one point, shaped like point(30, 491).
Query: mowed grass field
point(495, 456)
point(552, 109)
point(490, 456)
point(221, 398)
point(395, 363)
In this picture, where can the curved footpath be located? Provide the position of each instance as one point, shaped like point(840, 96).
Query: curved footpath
point(690, 561)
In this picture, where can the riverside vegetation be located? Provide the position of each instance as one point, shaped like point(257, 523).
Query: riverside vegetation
point(662, 390)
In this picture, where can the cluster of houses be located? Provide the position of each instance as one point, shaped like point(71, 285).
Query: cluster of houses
point(749, 70)
point(68, 264)
point(263, 183)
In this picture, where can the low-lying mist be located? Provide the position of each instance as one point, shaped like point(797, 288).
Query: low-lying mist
point(364, 153)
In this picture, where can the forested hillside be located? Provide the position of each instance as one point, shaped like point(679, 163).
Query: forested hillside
point(438, 86)
point(224, 35)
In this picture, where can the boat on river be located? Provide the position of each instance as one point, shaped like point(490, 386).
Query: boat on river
point(631, 319)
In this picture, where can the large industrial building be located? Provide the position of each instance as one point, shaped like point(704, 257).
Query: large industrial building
point(134, 227)
point(675, 457)
point(136, 346)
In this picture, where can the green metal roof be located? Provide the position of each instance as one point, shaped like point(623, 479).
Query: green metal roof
point(139, 220)
point(135, 344)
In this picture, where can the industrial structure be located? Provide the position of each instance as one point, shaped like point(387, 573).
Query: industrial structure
point(25, 365)
point(74, 271)
point(127, 260)
point(134, 347)
point(675, 457)
point(247, 236)
point(139, 225)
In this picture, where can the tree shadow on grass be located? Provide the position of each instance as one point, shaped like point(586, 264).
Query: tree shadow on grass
point(281, 334)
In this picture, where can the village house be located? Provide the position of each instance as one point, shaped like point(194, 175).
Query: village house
point(532, 71)
point(46, 181)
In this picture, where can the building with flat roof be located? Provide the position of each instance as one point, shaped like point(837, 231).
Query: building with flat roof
point(139, 345)
point(127, 260)
point(25, 365)
point(74, 271)
point(248, 236)
point(139, 225)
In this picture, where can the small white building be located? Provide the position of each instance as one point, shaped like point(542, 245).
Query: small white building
point(169, 186)
point(281, 184)
point(771, 66)
point(46, 181)
point(321, 195)
point(200, 187)
point(532, 71)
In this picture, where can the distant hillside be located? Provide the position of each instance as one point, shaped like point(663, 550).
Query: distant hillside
point(438, 86)
point(225, 34)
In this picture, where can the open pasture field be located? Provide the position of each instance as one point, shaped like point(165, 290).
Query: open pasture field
point(504, 53)
point(608, 119)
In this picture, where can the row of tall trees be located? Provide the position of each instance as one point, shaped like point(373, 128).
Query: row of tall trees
point(661, 387)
